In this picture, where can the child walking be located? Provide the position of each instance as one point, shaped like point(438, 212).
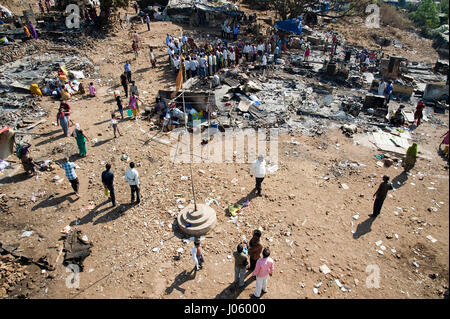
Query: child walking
point(114, 124)
point(197, 255)
point(119, 104)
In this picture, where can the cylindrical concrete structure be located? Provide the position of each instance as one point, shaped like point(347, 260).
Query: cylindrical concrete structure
point(196, 223)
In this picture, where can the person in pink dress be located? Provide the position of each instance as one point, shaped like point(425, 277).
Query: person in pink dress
point(263, 269)
point(92, 90)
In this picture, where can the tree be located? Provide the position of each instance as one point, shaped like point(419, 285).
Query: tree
point(444, 8)
point(336, 9)
point(427, 15)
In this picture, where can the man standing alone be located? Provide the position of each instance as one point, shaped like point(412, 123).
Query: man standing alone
point(381, 194)
point(132, 177)
point(259, 168)
point(107, 180)
point(147, 20)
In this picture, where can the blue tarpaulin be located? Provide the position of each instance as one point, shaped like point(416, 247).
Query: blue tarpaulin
point(291, 25)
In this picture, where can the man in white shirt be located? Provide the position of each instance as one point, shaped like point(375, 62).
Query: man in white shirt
point(259, 169)
point(187, 67)
point(246, 51)
point(264, 61)
point(202, 65)
point(193, 67)
point(132, 177)
point(260, 48)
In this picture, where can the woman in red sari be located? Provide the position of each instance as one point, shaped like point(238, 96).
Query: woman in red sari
point(418, 114)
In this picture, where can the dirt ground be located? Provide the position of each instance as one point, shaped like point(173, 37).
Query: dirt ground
point(306, 221)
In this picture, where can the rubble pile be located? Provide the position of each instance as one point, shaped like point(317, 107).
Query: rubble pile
point(16, 77)
point(11, 273)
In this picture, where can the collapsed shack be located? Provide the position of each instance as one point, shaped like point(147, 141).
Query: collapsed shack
point(202, 12)
point(16, 78)
point(199, 106)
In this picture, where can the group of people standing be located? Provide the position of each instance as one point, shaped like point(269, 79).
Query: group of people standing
point(261, 266)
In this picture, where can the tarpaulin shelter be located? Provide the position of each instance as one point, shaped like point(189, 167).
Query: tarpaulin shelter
point(292, 25)
point(205, 11)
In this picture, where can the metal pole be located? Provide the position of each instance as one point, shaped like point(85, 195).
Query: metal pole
point(190, 161)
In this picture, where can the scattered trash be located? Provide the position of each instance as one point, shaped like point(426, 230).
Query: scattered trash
point(416, 264)
point(180, 250)
point(66, 229)
point(315, 290)
point(318, 285)
point(156, 249)
point(431, 238)
point(26, 233)
point(272, 169)
point(184, 178)
point(356, 216)
point(378, 243)
point(344, 186)
point(324, 269)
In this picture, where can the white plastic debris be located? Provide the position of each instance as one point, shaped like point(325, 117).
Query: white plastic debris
point(66, 230)
point(184, 178)
point(415, 264)
point(383, 247)
point(156, 249)
point(356, 216)
point(338, 283)
point(318, 285)
point(272, 169)
point(315, 290)
point(180, 250)
point(344, 186)
point(26, 233)
point(431, 238)
point(378, 243)
point(324, 269)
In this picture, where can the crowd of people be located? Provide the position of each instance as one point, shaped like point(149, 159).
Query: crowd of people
point(201, 60)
